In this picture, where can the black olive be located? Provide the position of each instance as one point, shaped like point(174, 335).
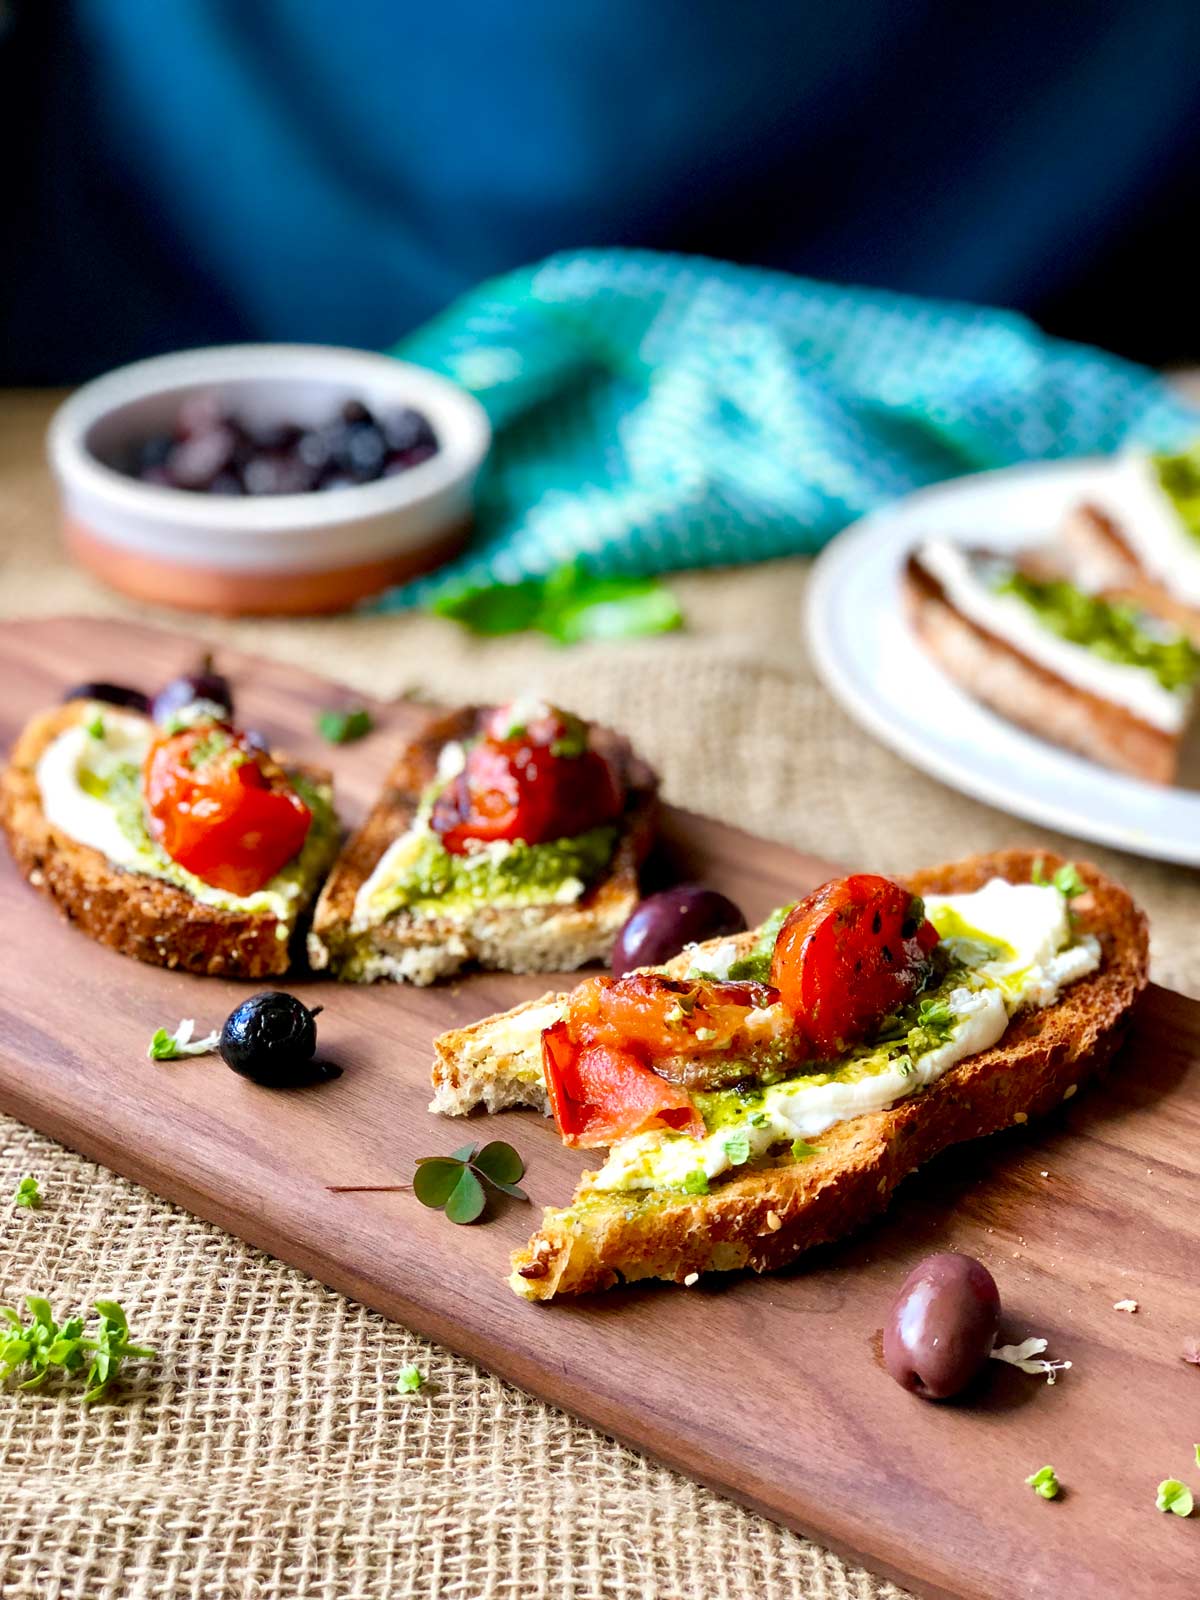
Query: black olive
point(112, 694)
point(184, 691)
point(271, 1038)
point(942, 1326)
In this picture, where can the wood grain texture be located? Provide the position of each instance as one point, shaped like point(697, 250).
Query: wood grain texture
point(768, 1389)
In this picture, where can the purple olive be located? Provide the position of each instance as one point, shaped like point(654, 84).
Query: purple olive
point(112, 694)
point(664, 923)
point(941, 1329)
point(205, 684)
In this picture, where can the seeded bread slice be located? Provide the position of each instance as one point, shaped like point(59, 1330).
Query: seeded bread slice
point(765, 1216)
point(1096, 552)
point(132, 912)
point(1011, 683)
point(410, 948)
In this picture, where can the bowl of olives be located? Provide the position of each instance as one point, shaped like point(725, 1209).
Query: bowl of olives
point(266, 479)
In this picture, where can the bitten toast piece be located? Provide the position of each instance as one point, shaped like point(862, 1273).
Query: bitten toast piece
point(766, 1216)
point(1002, 676)
point(132, 912)
point(548, 937)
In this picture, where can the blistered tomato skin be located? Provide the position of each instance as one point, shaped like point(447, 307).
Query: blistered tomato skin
point(942, 1326)
point(848, 955)
point(542, 783)
point(664, 924)
point(221, 809)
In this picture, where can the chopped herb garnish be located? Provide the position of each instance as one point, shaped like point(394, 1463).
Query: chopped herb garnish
point(756, 967)
point(1065, 879)
point(42, 1345)
point(801, 1150)
point(696, 1182)
point(1044, 1482)
point(409, 1380)
point(1175, 1496)
point(455, 1183)
point(737, 1149)
point(166, 1046)
point(28, 1195)
point(343, 727)
point(209, 746)
point(95, 728)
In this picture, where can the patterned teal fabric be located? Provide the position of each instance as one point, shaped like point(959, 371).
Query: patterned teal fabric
point(654, 412)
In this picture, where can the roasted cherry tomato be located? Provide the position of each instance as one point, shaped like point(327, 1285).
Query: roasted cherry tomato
point(222, 809)
point(534, 782)
point(599, 1093)
point(663, 1016)
point(848, 955)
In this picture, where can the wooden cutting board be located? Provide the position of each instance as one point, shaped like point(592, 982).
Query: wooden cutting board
point(770, 1389)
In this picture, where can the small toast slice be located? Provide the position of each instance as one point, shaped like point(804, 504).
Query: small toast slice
point(771, 1214)
point(135, 913)
point(996, 671)
point(408, 948)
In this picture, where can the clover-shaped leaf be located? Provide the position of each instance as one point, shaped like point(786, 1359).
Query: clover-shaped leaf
point(456, 1183)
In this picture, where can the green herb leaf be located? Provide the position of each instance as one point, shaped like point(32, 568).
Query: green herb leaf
point(801, 1150)
point(737, 1149)
point(28, 1194)
point(435, 1179)
point(570, 605)
point(1044, 1482)
point(455, 1183)
point(466, 1200)
point(343, 727)
point(696, 1182)
point(175, 1046)
point(42, 1345)
point(95, 728)
point(1175, 1496)
point(499, 1162)
point(409, 1380)
point(1197, 1450)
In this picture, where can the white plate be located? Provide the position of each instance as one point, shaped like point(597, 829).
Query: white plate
point(868, 656)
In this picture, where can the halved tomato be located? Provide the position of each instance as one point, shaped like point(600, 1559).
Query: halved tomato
point(848, 955)
point(537, 783)
point(661, 1016)
point(600, 1094)
point(222, 809)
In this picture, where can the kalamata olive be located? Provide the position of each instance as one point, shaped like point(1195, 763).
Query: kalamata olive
point(189, 687)
point(664, 923)
point(940, 1331)
point(271, 1038)
point(112, 694)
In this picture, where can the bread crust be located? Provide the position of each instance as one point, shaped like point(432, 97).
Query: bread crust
point(764, 1218)
point(1097, 551)
point(130, 912)
point(539, 938)
point(994, 671)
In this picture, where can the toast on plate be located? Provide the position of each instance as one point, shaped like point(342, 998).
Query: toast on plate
point(767, 1198)
point(398, 906)
point(1100, 677)
point(72, 811)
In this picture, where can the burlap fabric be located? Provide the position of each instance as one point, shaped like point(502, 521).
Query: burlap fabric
point(266, 1452)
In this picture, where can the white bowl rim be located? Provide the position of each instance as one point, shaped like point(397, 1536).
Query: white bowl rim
point(460, 454)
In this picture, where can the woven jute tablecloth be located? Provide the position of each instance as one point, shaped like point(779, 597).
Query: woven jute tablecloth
point(266, 1452)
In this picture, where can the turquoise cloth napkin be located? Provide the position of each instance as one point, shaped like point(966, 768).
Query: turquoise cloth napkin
point(654, 412)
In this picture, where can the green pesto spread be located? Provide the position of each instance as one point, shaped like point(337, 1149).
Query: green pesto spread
point(422, 876)
point(1117, 631)
point(119, 785)
point(1179, 476)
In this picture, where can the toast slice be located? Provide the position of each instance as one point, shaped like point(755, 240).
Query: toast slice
point(135, 913)
point(408, 947)
point(1058, 690)
point(765, 1216)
